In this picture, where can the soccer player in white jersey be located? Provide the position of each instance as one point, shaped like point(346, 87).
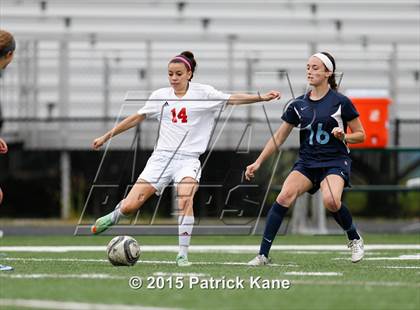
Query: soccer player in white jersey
point(186, 112)
point(7, 49)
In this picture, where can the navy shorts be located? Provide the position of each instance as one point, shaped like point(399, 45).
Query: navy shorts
point(316, 175)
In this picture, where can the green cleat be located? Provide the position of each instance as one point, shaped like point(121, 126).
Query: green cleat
point(102, 224)
point(182, 261)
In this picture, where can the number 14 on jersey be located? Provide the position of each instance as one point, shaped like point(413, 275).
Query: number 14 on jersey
point(182, 115)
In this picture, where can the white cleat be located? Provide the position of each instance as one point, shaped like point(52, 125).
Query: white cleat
point(182, 261)
point(5, 268)
point(357, 250)
point(259, 260)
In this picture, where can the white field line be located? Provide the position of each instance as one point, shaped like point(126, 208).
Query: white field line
point(32, 259)
point(401, 257)
point(93, 275)
point(209, 248)
point(354, 283)
point(401, 267)
point(180, 274)
point(64, 305)
point(329, 252)
point(157, 262)
point(303, 273)
point(61, 276)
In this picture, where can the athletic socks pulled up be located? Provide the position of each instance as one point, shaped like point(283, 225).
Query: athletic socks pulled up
point(185, 227)
point(344, 219)
point(274, 218)
point(116, 215)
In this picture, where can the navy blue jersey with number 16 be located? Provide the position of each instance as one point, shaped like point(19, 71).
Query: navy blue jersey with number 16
point(318, 147)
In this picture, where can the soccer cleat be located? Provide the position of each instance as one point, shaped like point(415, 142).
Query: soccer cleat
point(259, 260)
point(102, 224)
point(5, 268)
point(182, 261)
point(357, 250)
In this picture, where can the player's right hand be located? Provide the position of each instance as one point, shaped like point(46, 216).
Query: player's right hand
point(3, 146)
point(250, 170)
point(98, 142)
point(271, 95)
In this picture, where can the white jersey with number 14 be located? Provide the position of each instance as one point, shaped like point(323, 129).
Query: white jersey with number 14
point(185, 123)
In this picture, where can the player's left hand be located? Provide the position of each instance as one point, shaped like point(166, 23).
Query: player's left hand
point(3, 147)
point(338, 133)
point(270, 96)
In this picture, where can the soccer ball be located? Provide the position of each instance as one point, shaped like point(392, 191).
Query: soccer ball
point(123, 251)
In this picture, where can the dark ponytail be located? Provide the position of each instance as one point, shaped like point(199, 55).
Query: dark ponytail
point(331, 79)
point(7, 43)
point(190, 56)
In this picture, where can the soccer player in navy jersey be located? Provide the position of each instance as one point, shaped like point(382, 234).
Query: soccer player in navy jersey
point(323, 116)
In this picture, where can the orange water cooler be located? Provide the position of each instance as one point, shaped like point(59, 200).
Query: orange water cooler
point(375, 120)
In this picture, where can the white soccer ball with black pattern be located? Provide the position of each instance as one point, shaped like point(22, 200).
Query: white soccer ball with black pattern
point(123, 251)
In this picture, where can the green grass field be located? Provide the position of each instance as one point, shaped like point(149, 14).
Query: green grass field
point(386, 279)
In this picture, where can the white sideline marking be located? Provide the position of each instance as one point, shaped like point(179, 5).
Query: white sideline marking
point(214, 263)
point(302, 273)
point(163, 262)
point(356, 283)
point(312, 252)
point(401, 267)
point(209, 248)
point(54, 249)
point(401, 257)
point(180, 274)
point(61, 276)
point(53, 304)
point(31, 259)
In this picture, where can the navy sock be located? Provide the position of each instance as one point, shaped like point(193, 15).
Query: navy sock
point(344, 219)
point(274, 219)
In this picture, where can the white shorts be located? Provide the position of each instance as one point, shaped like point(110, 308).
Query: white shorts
point(164, 167)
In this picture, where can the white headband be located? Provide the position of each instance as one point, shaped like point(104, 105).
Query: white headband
point(325, 60)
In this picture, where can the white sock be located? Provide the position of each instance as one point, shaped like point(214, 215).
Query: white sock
point(117, 214)
point(185, 227)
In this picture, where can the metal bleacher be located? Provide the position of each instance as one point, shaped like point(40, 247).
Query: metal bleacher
point(76, 59)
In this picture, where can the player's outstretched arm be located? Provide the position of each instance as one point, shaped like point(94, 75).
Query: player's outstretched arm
point(3, 146)
point(236, 99)
point(271, 146)
point(124, 125)
point(357, 134)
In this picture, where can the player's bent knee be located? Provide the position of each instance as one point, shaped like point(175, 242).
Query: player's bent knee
point(286, 198)
point(331, 204)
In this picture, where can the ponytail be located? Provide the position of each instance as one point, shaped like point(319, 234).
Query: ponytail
point(332, 82)
point(331, 79)
point(7, 43)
